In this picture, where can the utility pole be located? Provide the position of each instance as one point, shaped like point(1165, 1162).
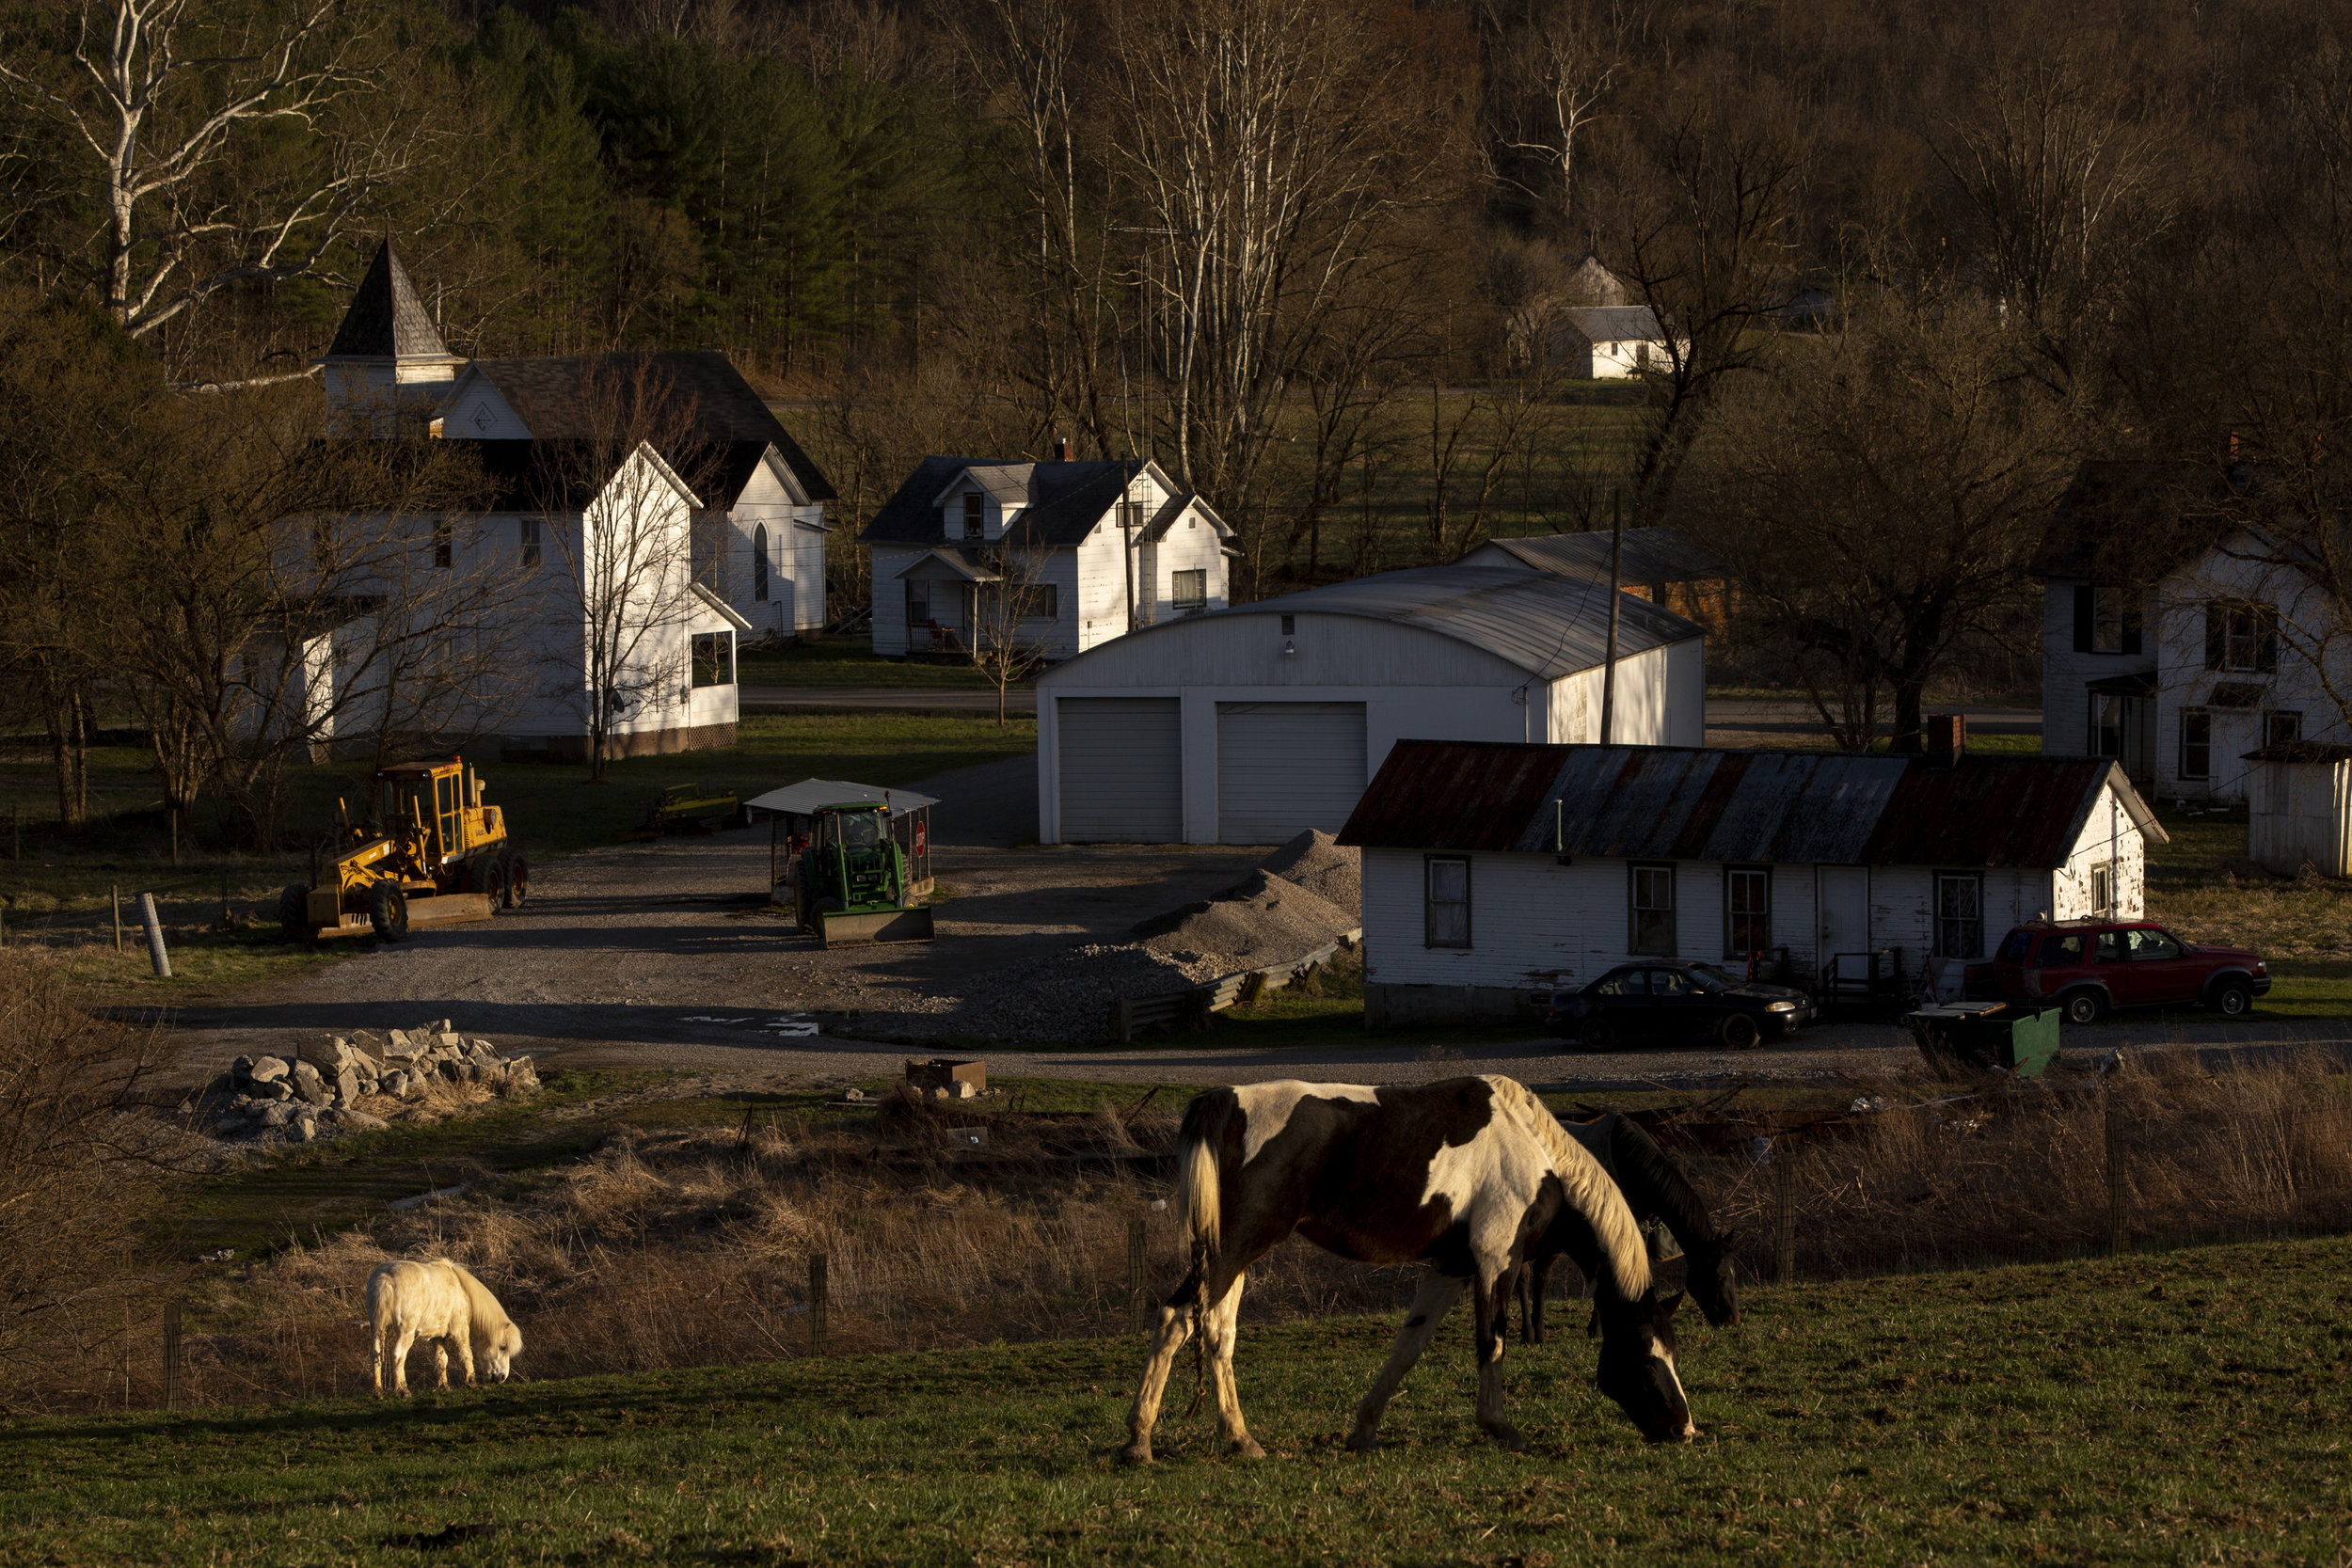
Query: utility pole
point(1609, 669)
point(1127, 517)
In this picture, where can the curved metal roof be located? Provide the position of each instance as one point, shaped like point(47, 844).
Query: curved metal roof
point(1548, 626)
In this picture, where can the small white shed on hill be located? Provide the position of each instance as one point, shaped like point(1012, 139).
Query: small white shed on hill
point(2299, 808)
point(1247, 725)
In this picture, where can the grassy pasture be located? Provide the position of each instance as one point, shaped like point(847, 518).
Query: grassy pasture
point(2187, 1405)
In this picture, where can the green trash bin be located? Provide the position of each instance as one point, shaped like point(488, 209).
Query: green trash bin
point(1987, 1034)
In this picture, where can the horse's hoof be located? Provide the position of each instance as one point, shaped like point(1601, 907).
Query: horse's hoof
point(1247, 1448)
point(1508, 1437)
point(1137, 1452)
point(1363, 1442)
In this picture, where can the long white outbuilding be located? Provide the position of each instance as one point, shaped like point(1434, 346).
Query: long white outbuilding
point(1244, 725)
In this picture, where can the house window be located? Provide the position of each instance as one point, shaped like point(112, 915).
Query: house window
point(760, 563)
point(1650, 895)
point(444, 539)
point(1289, 625)
point(1131, 516)
point(1446, 915)
point(2281, 727)
point(1190, 590)
point(1959, 914)
point(1747, 909)
point(2107, 620)
point(973, 525)
point(2196, 743)
point(2103, 892)
point(2241, 637)
point(714, 658)
point(919, 603)
point(526, 535)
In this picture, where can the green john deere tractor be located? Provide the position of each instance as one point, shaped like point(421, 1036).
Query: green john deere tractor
point(852, 881)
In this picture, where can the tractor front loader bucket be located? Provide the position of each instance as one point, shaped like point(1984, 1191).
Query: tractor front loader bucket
point(851, 928)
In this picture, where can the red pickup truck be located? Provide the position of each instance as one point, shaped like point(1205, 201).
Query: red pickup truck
point(2090, 966)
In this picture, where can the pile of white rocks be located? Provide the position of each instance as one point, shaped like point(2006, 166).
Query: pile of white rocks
point(319, 1091)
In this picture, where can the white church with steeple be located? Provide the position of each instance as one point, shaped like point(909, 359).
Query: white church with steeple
point(738, 552)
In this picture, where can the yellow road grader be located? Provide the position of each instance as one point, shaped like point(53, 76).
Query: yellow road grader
point(427, 852)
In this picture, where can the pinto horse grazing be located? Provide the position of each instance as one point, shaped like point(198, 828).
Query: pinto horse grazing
point(1654, 1188)
point(1460, 1175)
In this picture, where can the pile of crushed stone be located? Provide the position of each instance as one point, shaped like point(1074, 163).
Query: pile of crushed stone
point(1331, 871)
point(1261, 920)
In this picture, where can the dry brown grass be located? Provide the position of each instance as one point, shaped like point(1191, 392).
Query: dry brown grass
point(691, 1248)
point(2022, 1173)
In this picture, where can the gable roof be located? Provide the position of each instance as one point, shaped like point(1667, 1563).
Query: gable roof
point(1673, 802)
point(1061, 502)
point(560, 475)
point(386, 320)
point(1649, 555)
point(1615, 323)
point(732, 427)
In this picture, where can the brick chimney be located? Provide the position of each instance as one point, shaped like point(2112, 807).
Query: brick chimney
point(1947, 738)
point(1061, 449)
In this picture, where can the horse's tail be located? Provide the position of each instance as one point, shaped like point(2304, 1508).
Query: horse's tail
point(1200, 1189)
point(383, 1300)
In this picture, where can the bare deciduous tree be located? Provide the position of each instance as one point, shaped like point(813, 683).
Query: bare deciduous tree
point(163, 108)
point(1877, 497)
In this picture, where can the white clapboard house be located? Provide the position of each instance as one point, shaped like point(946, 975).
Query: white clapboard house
point(728, 524)
point(1244, 725)
point(1495, 874)
point(2175, 637)
point(1085, 549)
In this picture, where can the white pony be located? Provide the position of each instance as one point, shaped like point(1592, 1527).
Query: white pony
point(438, 1301)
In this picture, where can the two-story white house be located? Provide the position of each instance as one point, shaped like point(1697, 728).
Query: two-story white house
point(1088, 549)
point(2175, 637)
point(611, 571)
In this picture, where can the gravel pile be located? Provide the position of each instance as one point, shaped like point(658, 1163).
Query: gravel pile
point(1332, 872)
point(1260, 921)
point(318, 1093)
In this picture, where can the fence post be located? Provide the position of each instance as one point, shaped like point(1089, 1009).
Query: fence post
point(224, 900)
point(815, 1304)
point(2119, 1217)
point(173, 813)
point(155, 954)
point(1783, 1211)
point(116, 892)
point(1134, 1273)
point(171, 1353)
point(1122, 1019)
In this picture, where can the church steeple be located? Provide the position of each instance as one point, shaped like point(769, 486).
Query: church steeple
point(387, 348)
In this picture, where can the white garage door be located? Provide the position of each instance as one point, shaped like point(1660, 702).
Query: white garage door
point(1122, 761)
point(1282, 767)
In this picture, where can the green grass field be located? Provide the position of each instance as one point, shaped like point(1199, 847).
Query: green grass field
point(2188, 1406)
point(850, 661)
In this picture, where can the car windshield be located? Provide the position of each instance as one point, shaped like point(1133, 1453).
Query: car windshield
point(1708, 977)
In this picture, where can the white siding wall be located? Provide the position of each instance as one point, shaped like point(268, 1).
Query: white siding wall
point(1660, 700)
point(1537, 925)
point(796, 559)
point(479, 414)
point(2178, 626)
point(2300, 812)
point(890, 596)
point(2108, 835)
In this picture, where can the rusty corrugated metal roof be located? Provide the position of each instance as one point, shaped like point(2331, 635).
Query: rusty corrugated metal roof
point(1670, 803)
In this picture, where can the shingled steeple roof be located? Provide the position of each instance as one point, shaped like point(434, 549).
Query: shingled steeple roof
point(387, 320)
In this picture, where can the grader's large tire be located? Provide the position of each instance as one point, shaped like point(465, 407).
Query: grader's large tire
point(493, 884)
point(387, 910)
point(517, 882)
point(294, 914)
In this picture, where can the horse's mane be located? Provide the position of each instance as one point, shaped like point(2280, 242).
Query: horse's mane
point(1589, 1187)
point(480, 1304)
point(1645, 1171)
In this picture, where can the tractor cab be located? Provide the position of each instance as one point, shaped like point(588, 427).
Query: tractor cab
point(853, 879)
point(439, 802)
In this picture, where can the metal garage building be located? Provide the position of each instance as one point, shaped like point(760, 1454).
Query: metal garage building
point(1245, 725)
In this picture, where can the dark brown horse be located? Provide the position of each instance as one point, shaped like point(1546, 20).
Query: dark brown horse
point(1655, 1189)
point(1460, 1175)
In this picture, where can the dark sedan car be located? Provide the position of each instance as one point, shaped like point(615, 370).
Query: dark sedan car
point(1666, 1002)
